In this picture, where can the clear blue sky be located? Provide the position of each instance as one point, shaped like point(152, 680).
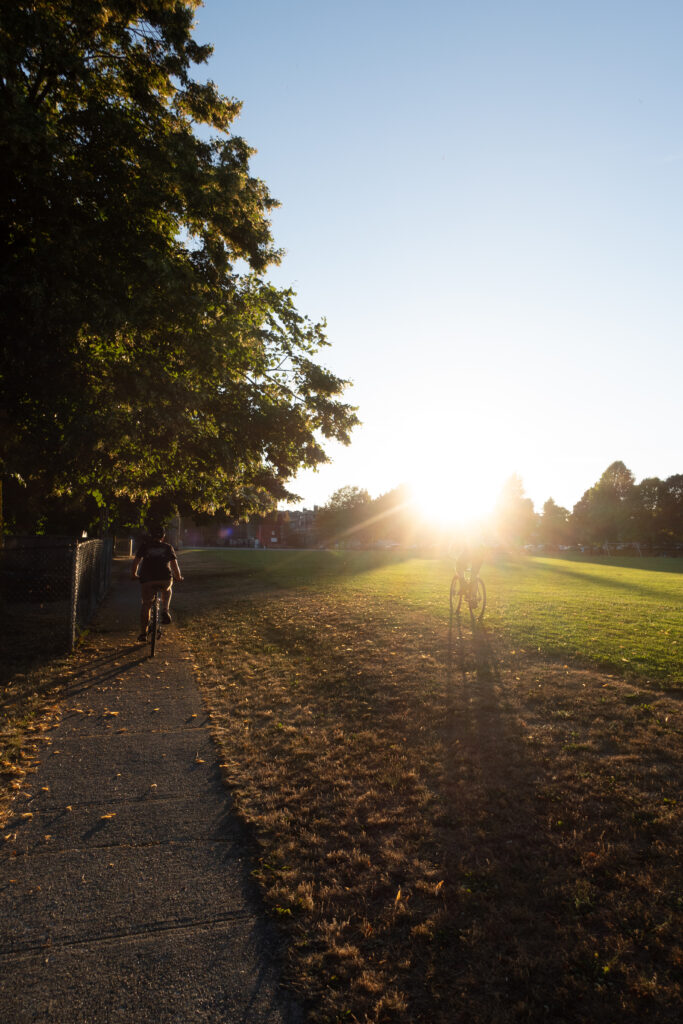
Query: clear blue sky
point(485, 200)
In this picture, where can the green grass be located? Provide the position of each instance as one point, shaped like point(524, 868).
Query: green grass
point(623, 616)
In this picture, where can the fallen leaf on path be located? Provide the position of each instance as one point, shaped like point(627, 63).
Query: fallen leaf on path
point(106, 817)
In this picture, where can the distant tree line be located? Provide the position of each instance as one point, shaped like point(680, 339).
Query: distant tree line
point(615, 510)
point(352, 517)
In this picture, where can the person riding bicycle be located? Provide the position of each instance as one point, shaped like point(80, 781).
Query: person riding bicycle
point(158, 567)
point(471, 557)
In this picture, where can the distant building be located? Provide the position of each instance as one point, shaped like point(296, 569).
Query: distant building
point(269, 531)
point(281, 529)
point(302, 527)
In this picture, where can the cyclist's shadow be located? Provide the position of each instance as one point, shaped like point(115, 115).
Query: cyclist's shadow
point(476, 657)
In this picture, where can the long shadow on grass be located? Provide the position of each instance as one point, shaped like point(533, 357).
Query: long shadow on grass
point(417, 755)
point(593, 578)
point(672, 566)
point(504, 871)
point(267, 569)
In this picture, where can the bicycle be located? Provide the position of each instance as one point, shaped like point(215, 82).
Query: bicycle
point(473, 591)
point(153, 626)
point(153, 631)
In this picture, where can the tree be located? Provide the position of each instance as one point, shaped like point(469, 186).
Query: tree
point(394, 516)
point(605, 513)
point(553, 525)
point(345, 517)
point(146, 360)
point(671, 512)
point(514, 516)
point(647, 510)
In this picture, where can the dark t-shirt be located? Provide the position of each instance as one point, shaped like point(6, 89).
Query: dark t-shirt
point(470, 557)
point(155, 555)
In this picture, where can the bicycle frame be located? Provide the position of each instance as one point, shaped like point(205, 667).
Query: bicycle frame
point(153, 628)
point(473, 589)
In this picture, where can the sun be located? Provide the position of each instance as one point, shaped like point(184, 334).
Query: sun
point(457, 502)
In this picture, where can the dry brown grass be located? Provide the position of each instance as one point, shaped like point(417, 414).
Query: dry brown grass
point(31, 673)
point(446, 828)
point(35, 677)
point(29, 709)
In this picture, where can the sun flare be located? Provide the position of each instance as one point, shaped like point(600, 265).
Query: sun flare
point(456, 503)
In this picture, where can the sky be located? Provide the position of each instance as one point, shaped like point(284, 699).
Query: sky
point(484, 199)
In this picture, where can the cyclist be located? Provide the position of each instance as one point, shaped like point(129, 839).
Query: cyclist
point(471, 557)
point(158, 567)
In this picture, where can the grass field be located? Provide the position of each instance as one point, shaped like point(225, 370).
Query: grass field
point(454, 823)
point(622, 616)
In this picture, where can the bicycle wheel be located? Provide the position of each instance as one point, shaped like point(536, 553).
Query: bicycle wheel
point(456, 594)
point(154, 626)
point(478, 602)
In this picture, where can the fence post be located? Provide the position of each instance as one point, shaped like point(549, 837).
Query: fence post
point(108, 561)
point(74, 596)
point(93, 564)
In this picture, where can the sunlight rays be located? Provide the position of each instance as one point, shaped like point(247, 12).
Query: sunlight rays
point(459, 502)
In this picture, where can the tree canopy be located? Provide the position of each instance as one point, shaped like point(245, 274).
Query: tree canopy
point(514, 517)
point(146, 359)
point(553, 525)
point(345, 515)
point(605, 512)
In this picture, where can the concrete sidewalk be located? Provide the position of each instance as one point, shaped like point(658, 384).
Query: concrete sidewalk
point(126, 896)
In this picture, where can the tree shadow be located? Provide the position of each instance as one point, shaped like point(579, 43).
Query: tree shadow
point(264, 569)
point(664, 564)
point(597, 579)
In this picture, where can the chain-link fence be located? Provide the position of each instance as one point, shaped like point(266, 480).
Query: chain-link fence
point(49, 588)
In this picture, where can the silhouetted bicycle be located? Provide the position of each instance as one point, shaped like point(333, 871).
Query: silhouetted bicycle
point(470, 590)
point(154, 625)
